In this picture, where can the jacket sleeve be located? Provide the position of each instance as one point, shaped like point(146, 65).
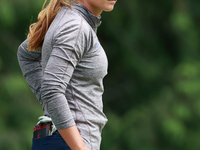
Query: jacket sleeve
point(67, 50)
point(30, 64)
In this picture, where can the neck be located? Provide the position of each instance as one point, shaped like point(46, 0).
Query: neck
point(95, 11)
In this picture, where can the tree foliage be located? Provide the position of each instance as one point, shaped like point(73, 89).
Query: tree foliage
point(152, 90)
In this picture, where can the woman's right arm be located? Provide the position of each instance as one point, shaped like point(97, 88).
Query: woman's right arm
point(68, 47)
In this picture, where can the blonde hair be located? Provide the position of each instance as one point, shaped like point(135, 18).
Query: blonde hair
point(38, 30)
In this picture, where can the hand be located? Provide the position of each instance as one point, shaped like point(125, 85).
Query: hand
point(73, 138)
point(85, 148)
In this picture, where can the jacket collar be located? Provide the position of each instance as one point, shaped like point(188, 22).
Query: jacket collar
point(93, 20)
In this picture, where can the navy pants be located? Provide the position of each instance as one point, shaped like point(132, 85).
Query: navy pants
point(53, 142)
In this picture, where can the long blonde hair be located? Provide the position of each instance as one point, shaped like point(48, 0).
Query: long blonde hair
point(38, 30)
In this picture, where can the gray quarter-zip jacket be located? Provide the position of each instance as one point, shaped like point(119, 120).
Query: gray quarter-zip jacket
point(67, 75)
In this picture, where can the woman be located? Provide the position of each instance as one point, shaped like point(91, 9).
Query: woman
point(64, 65)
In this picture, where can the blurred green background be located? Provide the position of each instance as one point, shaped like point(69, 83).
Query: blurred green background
point(152, 91)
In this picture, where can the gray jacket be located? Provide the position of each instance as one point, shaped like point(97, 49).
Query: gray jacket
point(66, 76)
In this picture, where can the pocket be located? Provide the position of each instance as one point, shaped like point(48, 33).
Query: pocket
point(53, 142)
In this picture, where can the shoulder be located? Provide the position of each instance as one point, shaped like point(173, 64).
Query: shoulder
point(70, 26)
point(68, 19)
point(24, 53)
point(70, 29)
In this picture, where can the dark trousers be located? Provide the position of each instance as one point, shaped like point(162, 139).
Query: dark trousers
point(54, 142)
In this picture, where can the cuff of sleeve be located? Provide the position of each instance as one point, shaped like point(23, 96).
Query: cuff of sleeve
point(65, 125)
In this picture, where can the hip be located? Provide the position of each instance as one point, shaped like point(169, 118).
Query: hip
point(52, 142)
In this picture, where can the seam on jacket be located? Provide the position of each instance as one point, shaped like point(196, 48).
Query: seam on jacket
point(53, 38)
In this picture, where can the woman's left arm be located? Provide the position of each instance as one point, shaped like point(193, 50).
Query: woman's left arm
point(30, 64)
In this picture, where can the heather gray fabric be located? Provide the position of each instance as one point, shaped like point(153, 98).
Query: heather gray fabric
point(68, 78)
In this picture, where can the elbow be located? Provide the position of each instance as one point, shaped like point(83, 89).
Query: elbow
point(21, 48)
point(19, 53)
point(20, 57)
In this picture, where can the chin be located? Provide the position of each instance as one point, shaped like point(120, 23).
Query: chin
point(109, 8)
